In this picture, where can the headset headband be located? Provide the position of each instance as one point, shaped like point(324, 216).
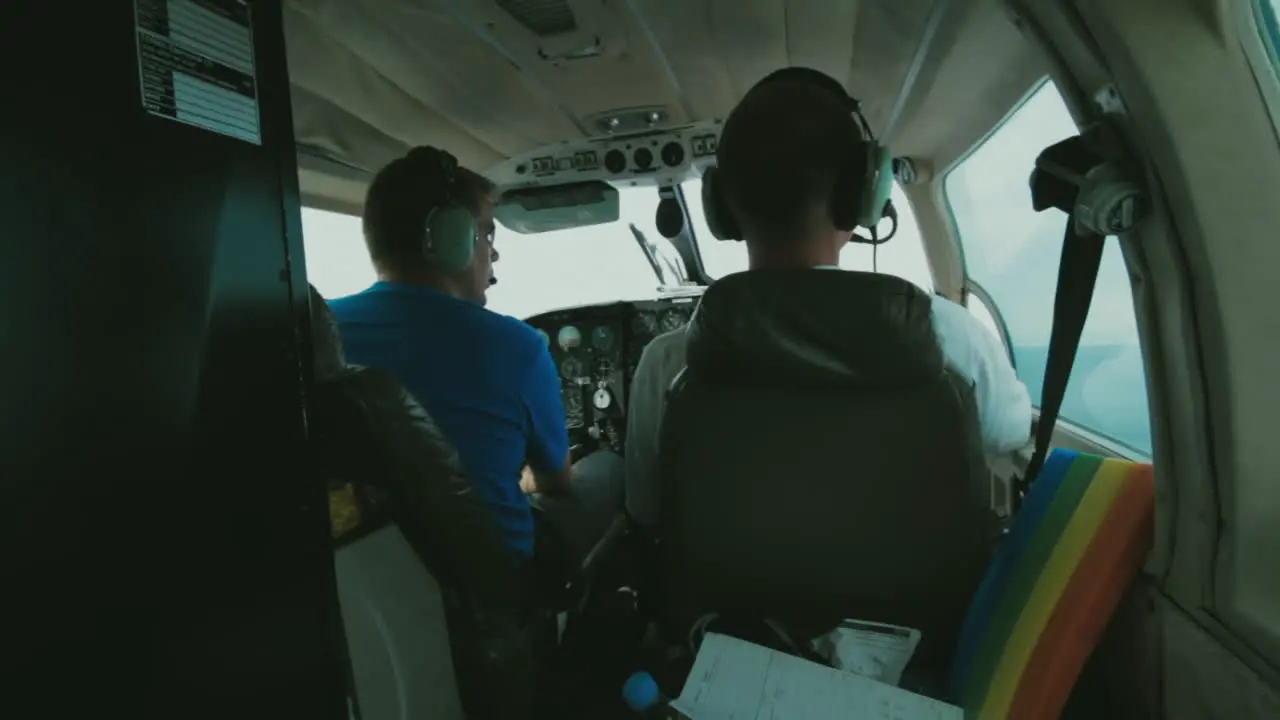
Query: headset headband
point(437, 170)
point(822, 81)
point(860, 196)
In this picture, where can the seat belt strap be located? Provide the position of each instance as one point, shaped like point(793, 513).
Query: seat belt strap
point(1085, 177)
point(1077, 276)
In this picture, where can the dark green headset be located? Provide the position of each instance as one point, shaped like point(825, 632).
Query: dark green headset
point(862, 186)
point(449, 230)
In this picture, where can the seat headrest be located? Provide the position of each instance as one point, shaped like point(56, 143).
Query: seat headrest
point(326, 341)
point(815, 326)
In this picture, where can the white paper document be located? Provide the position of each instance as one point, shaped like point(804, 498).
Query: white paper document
point(736, 680)
point(873, 650)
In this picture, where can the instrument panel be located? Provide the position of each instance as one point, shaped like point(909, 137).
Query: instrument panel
point(596, 350)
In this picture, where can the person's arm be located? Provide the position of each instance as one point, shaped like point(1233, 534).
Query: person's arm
point(554, 482)
point(971, 349)
point(644, 424)
point(547, 440)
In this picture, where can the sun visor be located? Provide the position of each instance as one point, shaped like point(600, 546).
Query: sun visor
point(558, 207)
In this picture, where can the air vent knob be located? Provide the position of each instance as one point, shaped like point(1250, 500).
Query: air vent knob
point(615, 162)
point(672, 154)
point(643, 158)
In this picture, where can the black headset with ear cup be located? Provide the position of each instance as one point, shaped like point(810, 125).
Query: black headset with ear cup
point(862, 186)
point(449, 230)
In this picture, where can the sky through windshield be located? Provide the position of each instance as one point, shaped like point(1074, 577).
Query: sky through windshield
point(536, 273)
point(601, 263)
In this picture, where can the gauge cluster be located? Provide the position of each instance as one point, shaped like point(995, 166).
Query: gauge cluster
point(596, 349)
point(586, 349)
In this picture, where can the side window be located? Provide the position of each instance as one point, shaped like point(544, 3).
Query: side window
point(337, 261)
point(902, 256)
point(1013, 251)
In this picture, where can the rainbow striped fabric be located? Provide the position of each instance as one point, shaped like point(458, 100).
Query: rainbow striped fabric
point(1081, 535)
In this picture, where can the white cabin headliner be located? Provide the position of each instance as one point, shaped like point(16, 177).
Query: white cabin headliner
point(372, 78)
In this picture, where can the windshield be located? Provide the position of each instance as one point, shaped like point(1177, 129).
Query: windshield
point(903, 255)
point(536, 273)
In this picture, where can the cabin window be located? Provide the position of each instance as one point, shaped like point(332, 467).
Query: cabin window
point(536, 273)
point(337, 262)
point(1012, 252)
point(902, 256)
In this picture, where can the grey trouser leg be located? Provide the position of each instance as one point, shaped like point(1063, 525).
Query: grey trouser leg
point(581, 518)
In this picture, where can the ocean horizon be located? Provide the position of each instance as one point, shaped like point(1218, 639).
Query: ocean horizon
point(1107, 393)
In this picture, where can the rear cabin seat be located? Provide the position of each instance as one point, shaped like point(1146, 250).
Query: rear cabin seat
point(819, 463)
point(1075, 546)
point(431, 602)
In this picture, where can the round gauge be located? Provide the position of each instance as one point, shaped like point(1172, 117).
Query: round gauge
point(543, 334)
point(602, 338)
point(573, 402)
point(601, 399)
point(645, 322)
point(571, 368)
point(671, 320)
point(569, 337)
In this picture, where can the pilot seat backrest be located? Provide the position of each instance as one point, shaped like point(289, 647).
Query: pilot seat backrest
point(819, 463)
point(431, 602)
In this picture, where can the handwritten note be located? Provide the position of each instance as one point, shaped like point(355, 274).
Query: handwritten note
point(736, 680)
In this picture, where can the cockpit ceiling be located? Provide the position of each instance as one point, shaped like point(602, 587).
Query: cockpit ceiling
point(487, 79)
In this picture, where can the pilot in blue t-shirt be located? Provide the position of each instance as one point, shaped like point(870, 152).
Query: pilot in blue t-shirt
point(488, 381)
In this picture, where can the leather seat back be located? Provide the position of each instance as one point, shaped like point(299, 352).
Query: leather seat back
point(430, 596)
point(819, 463)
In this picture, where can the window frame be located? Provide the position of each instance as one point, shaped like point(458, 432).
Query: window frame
point(1255, 642)
point(975, 290)
point(1263, 24)
point(1267, 27)
point(689, 235)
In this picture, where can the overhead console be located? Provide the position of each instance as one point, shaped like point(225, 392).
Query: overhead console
point(643, 157)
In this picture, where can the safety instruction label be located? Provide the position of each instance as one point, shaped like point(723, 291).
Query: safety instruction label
point(195, 62)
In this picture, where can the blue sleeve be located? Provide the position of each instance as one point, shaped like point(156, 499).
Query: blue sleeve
point(547, 441)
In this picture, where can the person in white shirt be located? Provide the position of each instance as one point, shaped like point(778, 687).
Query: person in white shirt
point(778, 161)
